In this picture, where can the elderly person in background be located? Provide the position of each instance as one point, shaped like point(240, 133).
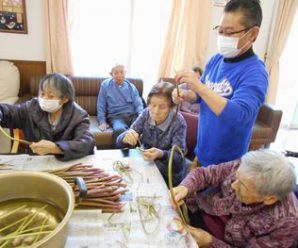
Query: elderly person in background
point(185, 106)
point(243, 203)
point(119, 103)
point(158, 128)
point(53, 122)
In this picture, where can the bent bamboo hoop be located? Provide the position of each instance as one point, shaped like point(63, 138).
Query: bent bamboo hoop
point(183, 214)
point(14, 139)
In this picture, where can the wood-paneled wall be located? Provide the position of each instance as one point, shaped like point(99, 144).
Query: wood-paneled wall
point(27, 70)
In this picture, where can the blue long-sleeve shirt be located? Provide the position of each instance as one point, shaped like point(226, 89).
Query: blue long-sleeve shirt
point(244, 83)
point(114, 99)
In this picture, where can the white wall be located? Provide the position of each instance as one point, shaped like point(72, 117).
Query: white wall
point(31, 46)
point(260, 44)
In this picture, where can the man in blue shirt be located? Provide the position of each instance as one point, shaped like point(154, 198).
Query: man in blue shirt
point(232, 87)
point(119, 103)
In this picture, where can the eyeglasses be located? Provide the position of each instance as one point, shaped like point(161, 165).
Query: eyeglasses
point(219, 31)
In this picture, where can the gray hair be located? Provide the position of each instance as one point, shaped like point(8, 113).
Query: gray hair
point(60, 83)
point(116, 66)
point(162, 89)
point(272, 172)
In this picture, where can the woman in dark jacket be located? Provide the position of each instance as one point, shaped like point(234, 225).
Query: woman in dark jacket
point(53, 122)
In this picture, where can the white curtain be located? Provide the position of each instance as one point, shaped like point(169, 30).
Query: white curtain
point(187, 38)
point(284, 19)
point(58, 46)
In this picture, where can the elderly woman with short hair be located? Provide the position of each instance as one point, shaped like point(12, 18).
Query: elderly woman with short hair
point(53, 122)
point(158, 128)
point(243, 203)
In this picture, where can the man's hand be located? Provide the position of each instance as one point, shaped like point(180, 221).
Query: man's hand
point(183, 95)
point(152, 154)
point(180, 192)
point(103, 126)
point(203, 238)
point(44, 147)
point(214, 101)
point(131, 137)
point(191, 79)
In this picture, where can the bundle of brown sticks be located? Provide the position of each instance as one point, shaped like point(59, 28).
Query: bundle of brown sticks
point(103, 190)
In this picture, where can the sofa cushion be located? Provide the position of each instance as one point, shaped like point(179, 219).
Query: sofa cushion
point(86, 86)
point(261, 131)
point(9, 81)
point(102, 139)
point(89, 103)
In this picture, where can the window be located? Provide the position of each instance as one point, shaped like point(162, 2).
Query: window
point(287, 96)
point(129, 32)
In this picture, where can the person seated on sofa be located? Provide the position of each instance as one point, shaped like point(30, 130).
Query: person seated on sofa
point(158, 128)
point(119, 103)
point(53, 122)
point(193, 108)
point(243, 203)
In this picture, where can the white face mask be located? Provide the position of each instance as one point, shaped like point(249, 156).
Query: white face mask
point(227, 46)
point(49, 106)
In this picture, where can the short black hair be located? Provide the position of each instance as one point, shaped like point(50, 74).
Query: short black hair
point(251, 10)
point(60, 83)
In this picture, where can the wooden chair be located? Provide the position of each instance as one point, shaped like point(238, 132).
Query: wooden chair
point(17, 146)
point(15, 143)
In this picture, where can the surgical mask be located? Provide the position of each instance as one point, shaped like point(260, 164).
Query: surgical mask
point(49, 106)
point(227, 46)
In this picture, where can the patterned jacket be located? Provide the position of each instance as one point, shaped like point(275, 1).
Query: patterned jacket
point(249, 226)
point(172, 131)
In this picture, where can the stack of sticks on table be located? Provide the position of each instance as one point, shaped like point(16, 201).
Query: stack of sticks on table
point(103, 190)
